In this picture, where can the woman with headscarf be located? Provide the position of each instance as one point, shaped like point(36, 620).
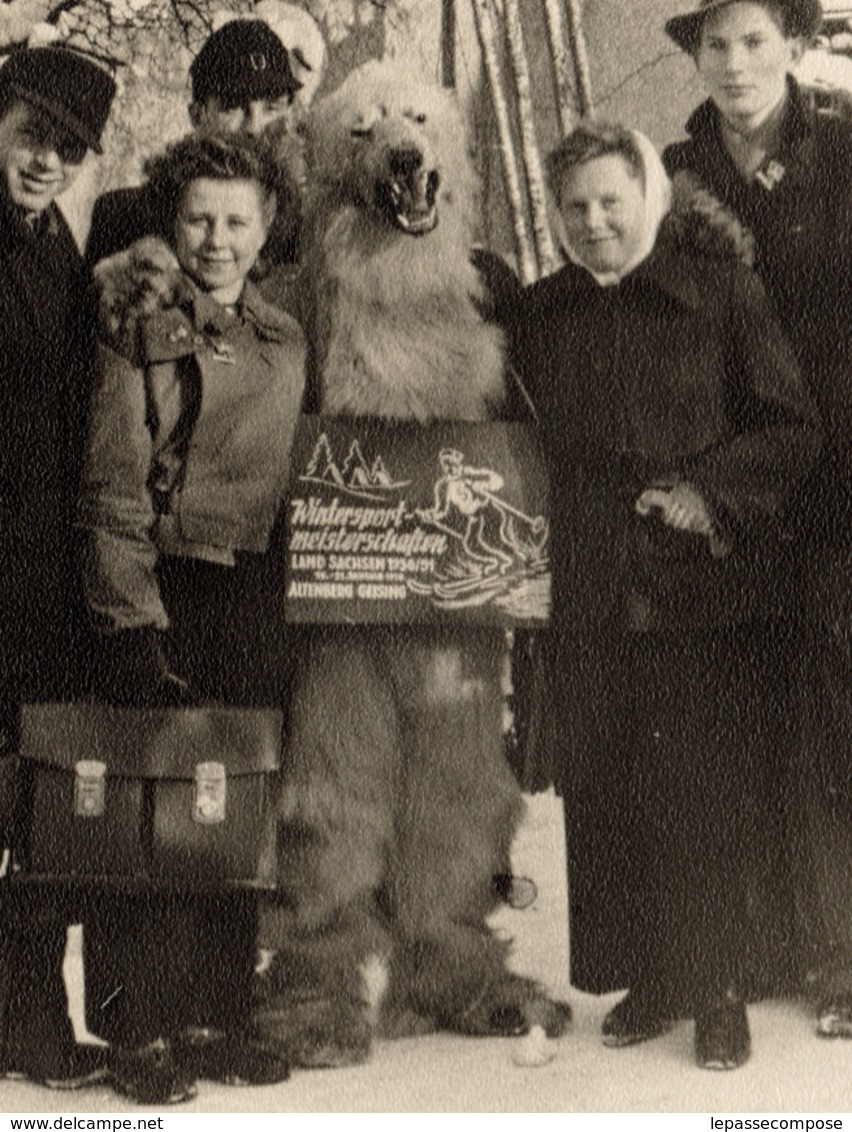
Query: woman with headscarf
point(676, 426)
point(785, 171)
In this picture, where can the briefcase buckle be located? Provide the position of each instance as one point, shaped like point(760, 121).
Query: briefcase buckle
point(89, 788)
point(208, 800)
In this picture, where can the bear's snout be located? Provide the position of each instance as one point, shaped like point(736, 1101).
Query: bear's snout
point(405, 161)
point(407, 192)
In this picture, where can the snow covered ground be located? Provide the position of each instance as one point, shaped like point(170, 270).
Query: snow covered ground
point(790, 1069)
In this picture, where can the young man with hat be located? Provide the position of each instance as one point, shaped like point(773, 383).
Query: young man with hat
point(785, 171)
point(54, 103)
point(242, 83)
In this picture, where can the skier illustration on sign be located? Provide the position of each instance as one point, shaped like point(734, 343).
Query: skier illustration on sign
point(492, 541)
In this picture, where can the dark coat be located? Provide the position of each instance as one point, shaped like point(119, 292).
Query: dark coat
point(802, 229)
point(677, 373)
point(46, 340)
point(800, 219)
point(46, 344)
point(120, 218)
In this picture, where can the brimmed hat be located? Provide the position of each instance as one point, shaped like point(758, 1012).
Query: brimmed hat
point(69, 86)
point(244, 60)
point(801, 17)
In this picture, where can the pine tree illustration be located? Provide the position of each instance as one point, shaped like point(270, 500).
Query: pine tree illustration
point(379, 474)
point(355, 469)
point(321, 459)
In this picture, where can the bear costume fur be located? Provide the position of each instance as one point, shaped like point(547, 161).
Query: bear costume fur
point(397, 808)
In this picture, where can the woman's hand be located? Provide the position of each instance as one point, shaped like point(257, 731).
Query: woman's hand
point(684, 509)
point(681, 507)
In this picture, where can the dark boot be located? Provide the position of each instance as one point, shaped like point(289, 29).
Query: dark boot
point(722, 1039)
point(230, 1058)
point(152, 1075)
point(834, 1016)
point(640, 1016)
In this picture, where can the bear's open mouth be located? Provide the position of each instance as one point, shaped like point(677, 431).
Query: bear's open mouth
point(409, 201)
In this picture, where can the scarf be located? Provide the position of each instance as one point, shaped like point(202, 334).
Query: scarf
point(657, 195)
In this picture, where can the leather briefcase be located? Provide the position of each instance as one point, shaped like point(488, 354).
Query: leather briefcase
point(169, 797)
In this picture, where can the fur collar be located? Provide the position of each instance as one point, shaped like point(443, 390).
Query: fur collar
point(145, 283)
point(701, 224)
point(698, 231)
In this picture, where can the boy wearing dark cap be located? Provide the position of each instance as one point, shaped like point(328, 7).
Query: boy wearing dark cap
point(54, 103)
point(242, 83)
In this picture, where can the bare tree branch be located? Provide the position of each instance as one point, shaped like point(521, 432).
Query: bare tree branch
point(647, 66)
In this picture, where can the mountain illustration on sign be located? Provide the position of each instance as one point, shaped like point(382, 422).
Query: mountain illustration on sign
point(355, 475)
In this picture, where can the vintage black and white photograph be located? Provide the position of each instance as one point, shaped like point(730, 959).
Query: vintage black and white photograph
point(425, 556)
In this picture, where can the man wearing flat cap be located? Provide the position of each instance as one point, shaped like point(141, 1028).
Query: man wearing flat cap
point(242, 83)
point(54, 103)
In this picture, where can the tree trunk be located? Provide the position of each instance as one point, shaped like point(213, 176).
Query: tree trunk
point(448, 43)
point(581, 59)
point(529, 143)
point(560, 58)
point(527, 266)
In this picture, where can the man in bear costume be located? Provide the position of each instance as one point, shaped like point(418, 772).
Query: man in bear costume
point(397, 808)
